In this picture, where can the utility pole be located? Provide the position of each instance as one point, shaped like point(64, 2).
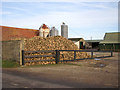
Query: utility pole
point(91, 37)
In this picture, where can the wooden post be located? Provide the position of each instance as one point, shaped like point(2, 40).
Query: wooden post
point(57, 56)
point(74, 55)
point(22, 57)
point(21, 48)
point(91, 54)
point(111, 53)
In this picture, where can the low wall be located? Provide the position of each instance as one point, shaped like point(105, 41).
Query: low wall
point(11, 50)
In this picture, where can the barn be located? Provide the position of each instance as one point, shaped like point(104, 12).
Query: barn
point(80, 42)
point(93, 44)
point(111, 42)
point(12, 33)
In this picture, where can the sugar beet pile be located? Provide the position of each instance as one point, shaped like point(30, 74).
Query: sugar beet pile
point(51, 43)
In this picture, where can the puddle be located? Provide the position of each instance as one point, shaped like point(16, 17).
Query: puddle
point(97, 59)
point(101, 65)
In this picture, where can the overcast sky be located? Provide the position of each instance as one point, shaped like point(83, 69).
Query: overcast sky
point(84, 19)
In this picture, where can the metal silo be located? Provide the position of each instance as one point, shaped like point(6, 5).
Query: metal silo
point(64, 30)
point(53, 31)
point(56, 32)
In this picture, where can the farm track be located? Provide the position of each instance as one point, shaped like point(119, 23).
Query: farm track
point(82, 75)
point(30, 80)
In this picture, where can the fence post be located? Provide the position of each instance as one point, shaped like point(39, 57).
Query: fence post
point(57, 56)
point(91, 54)
point(22, 57)
point(111, 53)
point(74, 55)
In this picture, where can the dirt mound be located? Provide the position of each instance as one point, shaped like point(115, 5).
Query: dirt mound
point(52, 43)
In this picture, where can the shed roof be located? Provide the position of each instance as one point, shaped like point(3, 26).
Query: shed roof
point(75, 39)
point(111, 38)
point(94, 40)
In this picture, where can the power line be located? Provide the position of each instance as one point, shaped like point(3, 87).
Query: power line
point(74, 32)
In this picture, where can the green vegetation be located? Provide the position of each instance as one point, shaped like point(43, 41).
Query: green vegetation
point(9, 64)
point(13, 64)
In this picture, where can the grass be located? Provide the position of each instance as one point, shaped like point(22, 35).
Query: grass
point(9, 64)
point(13, 64)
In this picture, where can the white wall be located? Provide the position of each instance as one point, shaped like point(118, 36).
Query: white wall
point(44, 32)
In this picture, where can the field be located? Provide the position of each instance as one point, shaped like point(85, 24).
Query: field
point(91, 73)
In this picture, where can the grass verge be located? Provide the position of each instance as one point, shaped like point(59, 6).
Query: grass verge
point(9, 64)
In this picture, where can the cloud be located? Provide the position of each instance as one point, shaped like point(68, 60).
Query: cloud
point(97, 5)
point(76, 19)
point(5, 13)
point(73, 1)
point(82, 21)
point(17, 9)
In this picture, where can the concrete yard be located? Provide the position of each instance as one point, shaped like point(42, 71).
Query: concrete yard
point(89, 73)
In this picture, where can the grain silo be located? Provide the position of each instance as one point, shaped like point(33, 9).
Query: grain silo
point(64, 30)
point(44, 31)
point(53, 31)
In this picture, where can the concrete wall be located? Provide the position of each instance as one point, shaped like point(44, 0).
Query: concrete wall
point(11, 50)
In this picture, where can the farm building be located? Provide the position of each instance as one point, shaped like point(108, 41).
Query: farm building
point(80, 42)
point(12, 33)
point(44, 31)
point(17, 40)
point(110, 42)
point(93, 44)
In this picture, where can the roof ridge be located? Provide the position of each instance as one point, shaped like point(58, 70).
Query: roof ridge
point(112, 32)
point(18, 28)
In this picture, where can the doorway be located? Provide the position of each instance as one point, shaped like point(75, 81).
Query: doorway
point(81, 45)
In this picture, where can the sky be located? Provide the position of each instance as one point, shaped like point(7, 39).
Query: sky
point(88, 20)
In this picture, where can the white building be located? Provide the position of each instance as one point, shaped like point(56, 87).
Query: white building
point(44, 31)
point(80, 42)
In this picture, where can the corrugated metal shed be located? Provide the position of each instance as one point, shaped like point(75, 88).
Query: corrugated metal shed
point(110, 42)
point(110, 38)
point(93, 40)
